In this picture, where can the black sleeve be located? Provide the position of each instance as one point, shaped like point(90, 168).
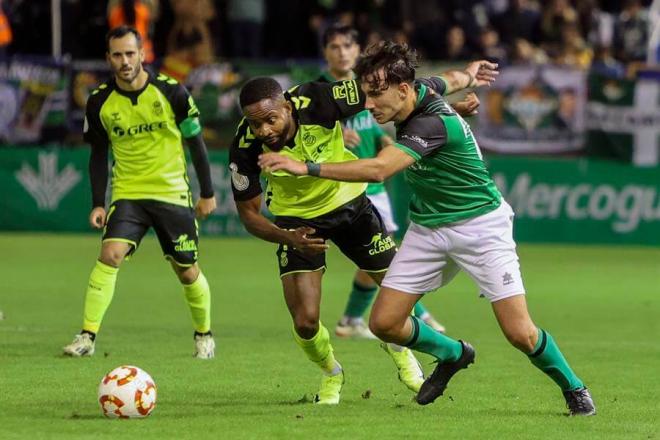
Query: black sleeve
point(183, 105)
point(95, 135)
point(98, 172)
point(243, 166)
point(200, 160)
point(436, 83)
point(424, 134)
point(324, 103)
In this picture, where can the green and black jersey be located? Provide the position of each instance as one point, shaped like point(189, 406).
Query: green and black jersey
point(449, 180)
point(371, 135)
point(318, 108)
point(144, 129)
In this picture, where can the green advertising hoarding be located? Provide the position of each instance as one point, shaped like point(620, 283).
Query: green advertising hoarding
point(555, 200)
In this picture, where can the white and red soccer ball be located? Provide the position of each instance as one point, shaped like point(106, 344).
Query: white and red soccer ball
point(127, 392)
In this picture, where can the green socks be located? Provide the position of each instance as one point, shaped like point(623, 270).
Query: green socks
point(198, 296)
point(359, 300)
point(319, 350)
point(547, 358)
point(100, 289)
point(420, 311)
point(429, 341)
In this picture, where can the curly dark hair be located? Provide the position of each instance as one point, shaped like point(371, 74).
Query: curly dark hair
point(259, 88)
point(398, 62)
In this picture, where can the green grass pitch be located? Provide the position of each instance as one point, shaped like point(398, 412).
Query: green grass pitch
point(600, 303)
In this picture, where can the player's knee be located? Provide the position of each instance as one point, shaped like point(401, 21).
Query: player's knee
point(523, 339)
point(187, 275)
point(306, 325)
point(384, 328)
point(112, 257)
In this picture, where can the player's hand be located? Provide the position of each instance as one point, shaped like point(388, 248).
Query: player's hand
point(468, 106)
point(483, 73)
point(301, 240)
point(270, 162)
point(204, 207)
point(97, 217)
point(351, 137)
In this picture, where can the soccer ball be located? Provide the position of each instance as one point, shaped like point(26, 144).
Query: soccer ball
point(127, 392)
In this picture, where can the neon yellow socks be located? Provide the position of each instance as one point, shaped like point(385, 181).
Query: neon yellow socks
point(198, 296)
point(319, 350)
point(100, 290)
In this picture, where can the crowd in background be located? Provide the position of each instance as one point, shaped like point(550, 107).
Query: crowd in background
point(610, 36)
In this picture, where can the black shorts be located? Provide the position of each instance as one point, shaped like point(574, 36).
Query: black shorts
point(357, 230)
point(175, 226)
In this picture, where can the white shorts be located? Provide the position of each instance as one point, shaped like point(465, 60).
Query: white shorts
point(483, 246)
point(382, 203)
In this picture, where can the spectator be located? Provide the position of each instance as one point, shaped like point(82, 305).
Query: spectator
point(456, 50)
point(631, 32)
point(5, 32)
point(605, 64)
point(525, 53)
point(189, 42)
point(246, 21)
point(140, 14)
point(521, 20)
point(597, 25)
point(490, 46)
point(556, 14)
point(574, 50)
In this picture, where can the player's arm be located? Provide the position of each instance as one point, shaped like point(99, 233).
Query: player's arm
point(95, 135)
point(98, 179)
point(325, 103)
point(246, 188)
point(186, 116)
point(258, 225)
point(476, 74)
point(389, 161)
point(468, 106)
point(422, 136)
point(200, 159)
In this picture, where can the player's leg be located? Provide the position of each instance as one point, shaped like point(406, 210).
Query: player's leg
point(542, 350)
point(366, 242)
point(176, 230)
point(421, 265)
point(302, 293)
point(125, 226)
point(497, 272)
point(351, 324)
point(301, 276)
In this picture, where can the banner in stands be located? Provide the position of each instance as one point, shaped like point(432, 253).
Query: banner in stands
point(533, 110)
point(623, 119)
point(33, 100)
point(85, 77)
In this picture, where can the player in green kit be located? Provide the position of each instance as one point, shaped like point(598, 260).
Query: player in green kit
point(364, 137)
point(458, 219)
point(144, 118)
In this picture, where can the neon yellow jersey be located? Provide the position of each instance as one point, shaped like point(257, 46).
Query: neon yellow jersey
point(318, 109)
point(144, 129)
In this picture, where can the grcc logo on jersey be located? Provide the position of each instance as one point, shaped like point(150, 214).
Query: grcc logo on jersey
point(140, 128)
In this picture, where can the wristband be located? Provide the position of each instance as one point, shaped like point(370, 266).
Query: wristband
point(313, 169)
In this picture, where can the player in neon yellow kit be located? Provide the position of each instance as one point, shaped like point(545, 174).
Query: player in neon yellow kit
point(144, 119)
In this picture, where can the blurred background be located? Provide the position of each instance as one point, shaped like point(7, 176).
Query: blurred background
point(571, 129)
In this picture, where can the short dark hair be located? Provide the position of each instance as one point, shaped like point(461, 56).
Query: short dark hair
point(119, 32)
point(258, 89)
point(398, 61)
point(339, 29)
